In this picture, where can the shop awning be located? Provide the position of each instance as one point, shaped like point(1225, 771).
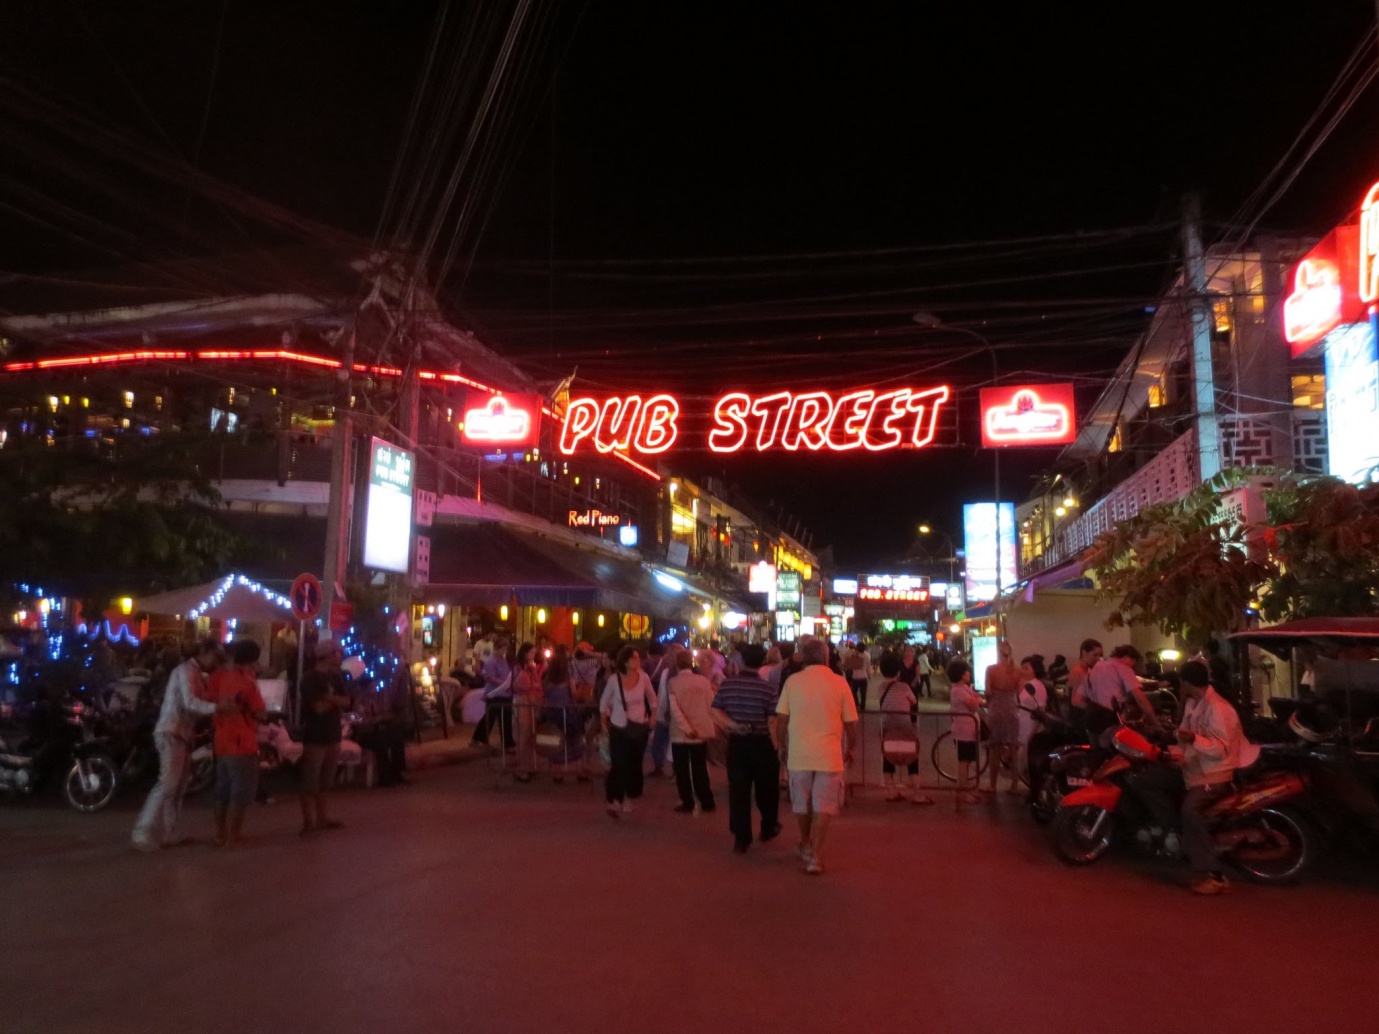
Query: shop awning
point(234, 596)
point(486, 565)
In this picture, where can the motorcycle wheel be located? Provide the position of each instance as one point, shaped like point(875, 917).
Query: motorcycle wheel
point(1288, 852)
point(1076, 838)
point(91, 783)
point(201, 774)
point(1045, 804)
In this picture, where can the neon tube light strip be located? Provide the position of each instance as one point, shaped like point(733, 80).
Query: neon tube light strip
point(261, 354)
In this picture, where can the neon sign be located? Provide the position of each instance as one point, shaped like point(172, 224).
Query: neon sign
point(502, 421)
point(1028, 414)
point(1313, 310)
point(1369, 246)
point(619, 424)
point(894, 595)
point(593, 519)
point(813, 420)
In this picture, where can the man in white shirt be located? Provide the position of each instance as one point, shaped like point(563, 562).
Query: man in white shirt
point(926, 671)
point(816, 714)
point(1212, 746)
point(182, 705)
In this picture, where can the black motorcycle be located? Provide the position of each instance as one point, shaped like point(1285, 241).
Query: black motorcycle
point(59, 746)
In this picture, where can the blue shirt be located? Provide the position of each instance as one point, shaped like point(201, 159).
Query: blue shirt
point(497, 674)
point(748, 700)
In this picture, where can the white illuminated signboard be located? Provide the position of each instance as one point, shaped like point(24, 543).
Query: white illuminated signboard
point(979, 534)
point(761, 577)
point(388, 520)
point(1352, 402)
point(845, 586)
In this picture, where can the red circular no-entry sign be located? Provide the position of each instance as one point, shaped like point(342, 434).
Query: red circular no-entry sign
point(306, 597)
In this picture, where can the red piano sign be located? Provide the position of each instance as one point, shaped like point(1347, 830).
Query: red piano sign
point(1028, 414)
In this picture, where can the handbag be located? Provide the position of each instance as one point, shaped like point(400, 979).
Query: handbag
point(899, 742)
point(632, 730)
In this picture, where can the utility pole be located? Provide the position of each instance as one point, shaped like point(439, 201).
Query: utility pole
point(1203, 375)
point(341, 506)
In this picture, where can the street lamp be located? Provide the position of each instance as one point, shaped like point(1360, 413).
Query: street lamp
point(932, 322)
point(925, 529)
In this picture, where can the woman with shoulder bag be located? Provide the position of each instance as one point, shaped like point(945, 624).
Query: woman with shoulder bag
point(899, 739)
point(627, 708)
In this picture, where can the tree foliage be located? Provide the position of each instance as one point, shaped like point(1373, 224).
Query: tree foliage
point(1324, 534)
point(99, 526)
point(1192, 569)
point(1180, 566)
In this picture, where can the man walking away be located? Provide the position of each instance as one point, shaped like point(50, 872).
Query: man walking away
point(183, 702)
point(926, 674)
point(816, 712)
point(857, 668)
point(746, 708)
point(686, 706)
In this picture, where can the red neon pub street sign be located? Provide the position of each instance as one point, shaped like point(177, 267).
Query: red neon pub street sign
point(815, 420)
point(1028, 414)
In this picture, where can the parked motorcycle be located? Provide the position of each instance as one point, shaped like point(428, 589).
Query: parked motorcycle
point(1254, 826)
point(60, 746)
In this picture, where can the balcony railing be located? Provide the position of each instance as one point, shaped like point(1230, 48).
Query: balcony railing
point(1246, 441)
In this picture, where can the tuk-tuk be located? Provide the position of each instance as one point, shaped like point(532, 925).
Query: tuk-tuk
point(1329, 721)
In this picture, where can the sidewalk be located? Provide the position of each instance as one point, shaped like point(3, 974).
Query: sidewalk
point(435, 750)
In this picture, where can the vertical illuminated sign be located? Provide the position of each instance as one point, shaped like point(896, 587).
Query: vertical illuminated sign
point(388, 520)
point(979, 535)
point(1352, 402)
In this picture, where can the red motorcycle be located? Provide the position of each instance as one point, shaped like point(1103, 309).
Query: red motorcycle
point(1254, 829)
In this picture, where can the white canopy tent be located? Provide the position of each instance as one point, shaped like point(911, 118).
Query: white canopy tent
point(234, 596)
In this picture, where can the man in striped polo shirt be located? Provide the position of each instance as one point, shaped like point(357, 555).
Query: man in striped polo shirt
point(746, 708)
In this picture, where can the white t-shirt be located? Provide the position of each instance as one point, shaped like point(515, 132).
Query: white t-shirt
point(925, 668)
point(641, 701)
point(1033, 694)
point(818, 703)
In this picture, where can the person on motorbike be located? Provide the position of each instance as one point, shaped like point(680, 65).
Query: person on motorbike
point(1211, 747)
point(1111, 686)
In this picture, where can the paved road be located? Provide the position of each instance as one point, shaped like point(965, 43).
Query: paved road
point(450, 905)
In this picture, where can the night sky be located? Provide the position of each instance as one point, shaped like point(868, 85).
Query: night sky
point(690, 197)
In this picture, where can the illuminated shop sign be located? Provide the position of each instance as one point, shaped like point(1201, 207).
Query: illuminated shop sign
point(815, 420)
point(593, 519)
point(1325, 290)
point(1369, 246)
point(503, 420)
point(1028, 414)
point(979, 534)
point(388, 517)
point(789, 591)
point(761, 577)
point(1352, 402)
point(894, 595)
point(845, 586)
point(893, 588)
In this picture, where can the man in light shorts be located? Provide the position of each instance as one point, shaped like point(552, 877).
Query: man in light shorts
point(817, 730)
